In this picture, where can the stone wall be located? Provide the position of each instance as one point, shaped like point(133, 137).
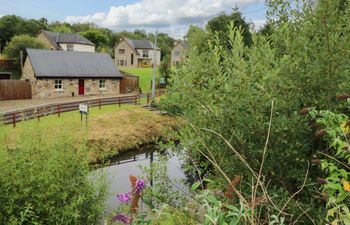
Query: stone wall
point(43, 39)
point(79, 47)
point(126, 56)
point(178, 58)
point(45, 87)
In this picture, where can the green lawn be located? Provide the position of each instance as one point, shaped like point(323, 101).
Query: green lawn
point(109, 130)
point(145, 75)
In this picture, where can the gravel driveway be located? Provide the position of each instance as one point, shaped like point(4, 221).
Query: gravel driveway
point(9, 105)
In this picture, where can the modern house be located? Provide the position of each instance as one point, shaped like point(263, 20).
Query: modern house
point(53, 74)
point(65, 41)
point(136, 53)
point(179, 53)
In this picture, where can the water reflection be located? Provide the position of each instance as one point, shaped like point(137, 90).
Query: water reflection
point(129, 164)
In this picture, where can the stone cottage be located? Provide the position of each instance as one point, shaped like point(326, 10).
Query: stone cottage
point(136, 53)
point(65, 41)
point(179, 53)
point(54, 74)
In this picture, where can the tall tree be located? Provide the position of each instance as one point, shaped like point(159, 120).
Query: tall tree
point(19, 43)
point(196, 37)
point(220, 25)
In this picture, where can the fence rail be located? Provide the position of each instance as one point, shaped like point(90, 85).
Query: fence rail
point(16, 116)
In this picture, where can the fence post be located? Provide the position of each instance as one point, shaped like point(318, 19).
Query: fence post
point(14, 119)
point(99, 103)
point(59, 110)
point(119, 101)
point(38, 112)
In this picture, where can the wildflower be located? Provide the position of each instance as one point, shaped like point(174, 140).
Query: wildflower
point(124, 197)
point(122, 218)
point(346, 186)
point(139, 186)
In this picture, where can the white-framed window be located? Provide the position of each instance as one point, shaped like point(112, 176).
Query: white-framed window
point(70, 47)
point(121, 51)
point(145, 53)
point(58, 85)
point(102, 84)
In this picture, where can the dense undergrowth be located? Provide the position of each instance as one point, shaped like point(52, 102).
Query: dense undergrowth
point(48, 183)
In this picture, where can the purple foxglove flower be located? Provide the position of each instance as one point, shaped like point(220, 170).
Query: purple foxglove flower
point(122, 218)
point(140, 185)
point(124, 197)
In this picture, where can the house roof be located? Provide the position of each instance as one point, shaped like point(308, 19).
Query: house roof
point(69, 64)
point(55, 38)
point(183, 43)
point(140, 44)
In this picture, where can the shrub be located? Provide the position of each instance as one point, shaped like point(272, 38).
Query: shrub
point(48, 183)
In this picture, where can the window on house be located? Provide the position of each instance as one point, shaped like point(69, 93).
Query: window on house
point(121, 62)
point(145, 53)
point(177, 63)
point(121, 51)
point(177, 53)
point(132, 59)
point(70, 47)
point(102, 84)
point(58, 85)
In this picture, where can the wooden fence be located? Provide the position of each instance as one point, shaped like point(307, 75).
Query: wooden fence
point(8, 64)
point(15, 116)
point(15, 89)
point(129, 84)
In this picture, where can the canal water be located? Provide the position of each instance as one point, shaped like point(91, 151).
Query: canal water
point(131, 163)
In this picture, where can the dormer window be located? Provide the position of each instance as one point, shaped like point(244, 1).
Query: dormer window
point(70, 47)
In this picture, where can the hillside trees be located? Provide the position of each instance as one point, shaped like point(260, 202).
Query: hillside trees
point(20, 43)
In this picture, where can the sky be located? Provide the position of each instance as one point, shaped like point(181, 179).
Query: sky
point(168, 16)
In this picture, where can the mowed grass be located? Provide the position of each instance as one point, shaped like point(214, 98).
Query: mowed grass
point(145, 75)
point(109, 131)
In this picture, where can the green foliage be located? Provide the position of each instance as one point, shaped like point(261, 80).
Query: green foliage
point(164, 68)
point(42, 183)
point(220, 25)
point(20, 43)
point(229, 90)
point(196, 37)
point(12, 25)
point(336, 187)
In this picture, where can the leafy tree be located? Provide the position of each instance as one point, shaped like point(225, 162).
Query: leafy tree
point(9, 26)
point(96, 36)
point(196, 37)
point(61, 27)
point(165, 68)
point(20, 43)
point(220, 24)
point(165, 43)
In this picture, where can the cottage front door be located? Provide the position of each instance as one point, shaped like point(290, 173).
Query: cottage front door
point(81, 89)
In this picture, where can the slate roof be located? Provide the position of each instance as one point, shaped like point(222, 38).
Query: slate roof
point(69, 64)
point(141, 44)
point(55, 38)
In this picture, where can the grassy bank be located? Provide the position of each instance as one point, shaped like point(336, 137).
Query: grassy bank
point(145, 75)
point(110, 130)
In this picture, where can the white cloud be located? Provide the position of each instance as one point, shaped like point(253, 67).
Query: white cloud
point(258, 24)
point(159, 13)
